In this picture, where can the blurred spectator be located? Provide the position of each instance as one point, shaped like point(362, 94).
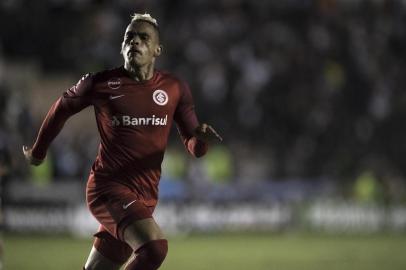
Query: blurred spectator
point(315, 86)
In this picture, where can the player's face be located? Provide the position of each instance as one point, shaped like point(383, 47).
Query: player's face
point(141, 45)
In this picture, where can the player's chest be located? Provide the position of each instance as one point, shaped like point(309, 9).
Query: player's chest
point(136, 100)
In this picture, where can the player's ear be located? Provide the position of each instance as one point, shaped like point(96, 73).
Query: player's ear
point(158, 50)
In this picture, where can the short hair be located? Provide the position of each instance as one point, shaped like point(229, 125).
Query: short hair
point(145, 18)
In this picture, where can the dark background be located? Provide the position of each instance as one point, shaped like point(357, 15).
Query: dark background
point(304, 90)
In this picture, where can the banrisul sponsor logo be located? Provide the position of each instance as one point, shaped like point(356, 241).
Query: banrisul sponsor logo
point(126, 120)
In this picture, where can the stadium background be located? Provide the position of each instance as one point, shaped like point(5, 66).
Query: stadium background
point(308, 95)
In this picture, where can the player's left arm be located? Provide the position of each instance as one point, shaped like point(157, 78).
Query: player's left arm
point(196, 137)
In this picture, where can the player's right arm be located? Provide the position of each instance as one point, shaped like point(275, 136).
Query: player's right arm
point(72, 101)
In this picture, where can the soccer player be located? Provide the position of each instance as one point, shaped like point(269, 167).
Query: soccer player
point(135, 106)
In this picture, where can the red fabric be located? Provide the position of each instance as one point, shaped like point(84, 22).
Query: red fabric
point(115, 206)
point(131, 155)
point(61, 110)
point(149, 256)
point(52, 125)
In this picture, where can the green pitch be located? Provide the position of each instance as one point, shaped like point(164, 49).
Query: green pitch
point(226, 252)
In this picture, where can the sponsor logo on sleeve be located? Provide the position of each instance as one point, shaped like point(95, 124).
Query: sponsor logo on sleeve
point(160, 97)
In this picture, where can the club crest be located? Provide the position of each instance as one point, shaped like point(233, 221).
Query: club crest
point(160, 97)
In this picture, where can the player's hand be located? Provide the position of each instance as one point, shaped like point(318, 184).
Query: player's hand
point(28, 156)
point(206, 133)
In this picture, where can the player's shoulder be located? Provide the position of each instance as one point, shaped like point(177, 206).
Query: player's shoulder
point(172, 78)
point(106, 75)
point(92, 81)
point(81, 88)
point(86, 79)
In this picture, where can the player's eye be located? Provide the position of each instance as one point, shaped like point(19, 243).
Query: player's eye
point(128, 37)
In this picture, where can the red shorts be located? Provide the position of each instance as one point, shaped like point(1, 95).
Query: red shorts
point(115, 206)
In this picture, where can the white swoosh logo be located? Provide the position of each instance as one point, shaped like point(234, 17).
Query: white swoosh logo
point(125, 206)
point(111, 97)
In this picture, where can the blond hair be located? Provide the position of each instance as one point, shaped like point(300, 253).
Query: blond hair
point(144, 17)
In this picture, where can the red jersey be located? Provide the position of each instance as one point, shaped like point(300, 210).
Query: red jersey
point(134, 120)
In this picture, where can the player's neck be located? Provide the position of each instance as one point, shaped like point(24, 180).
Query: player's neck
point(140, 74)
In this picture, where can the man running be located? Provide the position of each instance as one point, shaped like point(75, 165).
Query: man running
point(135, 106)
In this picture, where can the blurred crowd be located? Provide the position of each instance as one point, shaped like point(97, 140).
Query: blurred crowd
point(298, 89)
